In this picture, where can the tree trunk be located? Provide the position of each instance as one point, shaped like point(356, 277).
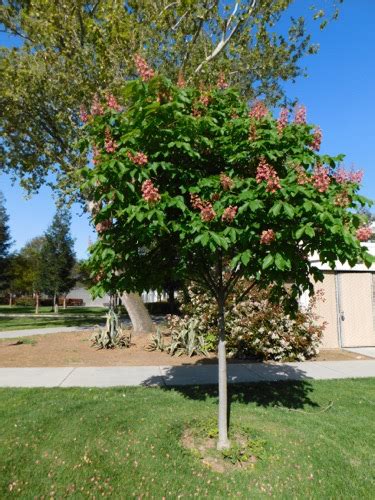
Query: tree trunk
point(139, 316)
point(10, 300)
point(171, 300)
point(37, 303)
point(56, 303)
point(223, 442)
point(64, 302)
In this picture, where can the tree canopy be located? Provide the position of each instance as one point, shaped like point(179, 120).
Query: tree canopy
point(189, 173)
point(68, 51)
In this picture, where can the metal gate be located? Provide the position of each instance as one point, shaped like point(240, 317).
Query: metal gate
point(356, 309)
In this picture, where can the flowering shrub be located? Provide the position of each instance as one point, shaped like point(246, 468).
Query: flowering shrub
point(255, 326)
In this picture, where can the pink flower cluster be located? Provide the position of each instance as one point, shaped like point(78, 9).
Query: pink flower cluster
point(267, 173)
point(208, 213)
point(149, 192)
point(300, 115)
point(109, 144)
point(96, 155)
point(96, 107)
point(229, 214)
point(302, 177)
point(205, 207)
point(196, 112)
point(282, 122)
point(83, 114)
point(342, 199)
point(221, 83)
point(267, 237)
point(204, 99)
point(144, 71)
point(181, 80)
point(139, 158)
point(112, 102)
point(226, 182)
point(343, 176)
point(103, 226)
point(259, 110)
point(364, 233)
point(317, 139)
point(321, 178)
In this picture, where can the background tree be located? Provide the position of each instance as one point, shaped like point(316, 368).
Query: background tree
point(58, 257)
point(27, 270)
point(73, 49)
point(5, 245)
point(230, 192)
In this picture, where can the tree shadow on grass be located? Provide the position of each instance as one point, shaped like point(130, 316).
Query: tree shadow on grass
point(261, 383)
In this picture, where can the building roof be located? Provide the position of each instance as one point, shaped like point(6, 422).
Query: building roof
point(346, 267)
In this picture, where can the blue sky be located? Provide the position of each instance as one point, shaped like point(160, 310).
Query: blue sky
point(338, 94)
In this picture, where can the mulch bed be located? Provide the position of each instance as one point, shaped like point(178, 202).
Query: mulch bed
point(74, 349)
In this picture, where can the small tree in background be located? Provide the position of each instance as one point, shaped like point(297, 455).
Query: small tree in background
point(27, 269)
point(5, 244)
point(227, 191)
point(58, 257)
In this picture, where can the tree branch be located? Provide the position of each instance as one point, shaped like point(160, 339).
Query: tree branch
point(226, 39)
point(172, 4)
point(202, 19)
point(242, 296)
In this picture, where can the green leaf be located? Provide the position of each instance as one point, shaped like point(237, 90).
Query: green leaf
point(280, 262)
point(267, 261)
point(300, 232)
point(245, 257)
point(276, 208)
point(289, 210)
point(309, 231)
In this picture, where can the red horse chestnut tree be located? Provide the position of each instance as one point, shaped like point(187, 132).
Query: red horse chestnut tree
point(192, 183)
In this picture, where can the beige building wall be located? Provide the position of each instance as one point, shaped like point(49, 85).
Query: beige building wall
point(326, 309)
point(356, 302)
point(348, 308)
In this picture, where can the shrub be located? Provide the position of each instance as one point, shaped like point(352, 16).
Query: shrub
point(255, 325)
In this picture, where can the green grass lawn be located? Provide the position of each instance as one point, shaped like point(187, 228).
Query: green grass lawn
point(14, 323)
point(125, 442)
point(99, 311)
point(72, 316)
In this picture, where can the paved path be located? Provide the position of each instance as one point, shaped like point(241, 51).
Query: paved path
point(11, 334)
point(181, 375)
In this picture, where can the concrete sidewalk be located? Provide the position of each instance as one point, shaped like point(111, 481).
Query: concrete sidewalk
point(182, 375)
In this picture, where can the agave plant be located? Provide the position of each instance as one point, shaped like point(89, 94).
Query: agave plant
point(112, 335)
point(157, 342)
point(187, 341)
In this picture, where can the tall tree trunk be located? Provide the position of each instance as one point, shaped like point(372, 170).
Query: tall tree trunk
point(223, 442)
point(37, 303)
point(138, 314)
point(10, 300)
point(56, 303)
point(64, 302)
